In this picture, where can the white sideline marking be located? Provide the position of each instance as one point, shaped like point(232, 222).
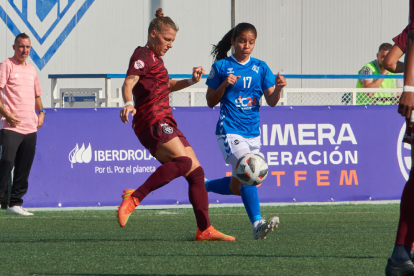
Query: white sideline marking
point(188, 206)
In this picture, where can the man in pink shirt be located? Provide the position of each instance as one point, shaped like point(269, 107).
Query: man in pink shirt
point(19, 97)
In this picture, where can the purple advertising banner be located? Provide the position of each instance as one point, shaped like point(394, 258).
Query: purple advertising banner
point(87, 157)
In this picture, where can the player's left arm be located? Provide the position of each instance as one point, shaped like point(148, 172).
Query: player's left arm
point(41, 116)
point(272, 94)
point(175, 85)
point(392, 61)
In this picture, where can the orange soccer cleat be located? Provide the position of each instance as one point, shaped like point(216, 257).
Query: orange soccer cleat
point(211, 234)
point(127, 207)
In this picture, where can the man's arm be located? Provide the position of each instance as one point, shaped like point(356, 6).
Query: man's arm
point(41, 116)
point(392, 61)
point(368, 83)
point(372, 84)
point(10, 117)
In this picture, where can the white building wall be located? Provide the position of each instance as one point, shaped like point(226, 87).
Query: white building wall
point(294, 36)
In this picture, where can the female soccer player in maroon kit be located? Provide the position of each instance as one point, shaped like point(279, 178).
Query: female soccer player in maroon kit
point(401, 262)
point(147, 79)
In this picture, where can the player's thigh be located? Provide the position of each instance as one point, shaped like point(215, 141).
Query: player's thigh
point(255, 144)
point(243, 147)
point(230, 144)
point(169, 150)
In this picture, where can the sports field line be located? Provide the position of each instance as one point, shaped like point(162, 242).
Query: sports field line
point(214, 205)
point(211, 215)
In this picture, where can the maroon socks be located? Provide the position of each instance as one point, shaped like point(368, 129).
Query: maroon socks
point(198, 196)
point(405, 233)
point(196, 190)
point(163, 175)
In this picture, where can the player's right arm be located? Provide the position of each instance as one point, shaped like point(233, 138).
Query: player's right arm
point(392, 61)
point(129, 83)
point(4, 75)
point(10, 117)
point(214, 95)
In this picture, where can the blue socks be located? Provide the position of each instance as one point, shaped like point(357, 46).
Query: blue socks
point(249, 195)
point(219, 186)
point(251, 202)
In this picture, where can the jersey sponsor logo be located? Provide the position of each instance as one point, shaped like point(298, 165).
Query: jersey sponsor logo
point(230, 71)
point(256, 69)
point(47, 22)
point(212, 73)
point(404, 154)
point(139, 64)
point(245, 103)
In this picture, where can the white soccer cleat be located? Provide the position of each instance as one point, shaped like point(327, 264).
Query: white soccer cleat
point(264, 227)
point(18, 210)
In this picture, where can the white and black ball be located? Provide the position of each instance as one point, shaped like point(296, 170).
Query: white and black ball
point(251, 169)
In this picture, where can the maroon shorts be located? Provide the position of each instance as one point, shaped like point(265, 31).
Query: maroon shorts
point(401, 39)
point(411, 16)
point(162, 132)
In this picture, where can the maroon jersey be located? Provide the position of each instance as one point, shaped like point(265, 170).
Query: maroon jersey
point(151, 93)
point(401, 39)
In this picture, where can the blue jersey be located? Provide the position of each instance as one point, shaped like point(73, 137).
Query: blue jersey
point(239, 106)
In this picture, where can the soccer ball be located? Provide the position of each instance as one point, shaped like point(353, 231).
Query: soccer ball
point(251, 169)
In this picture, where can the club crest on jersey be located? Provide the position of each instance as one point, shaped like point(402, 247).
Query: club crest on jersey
point(139, 64)
point(212, 73)
point(256, 69)
point(167, 129)
point(230, 71)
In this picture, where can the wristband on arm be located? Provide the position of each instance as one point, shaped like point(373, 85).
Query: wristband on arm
point(408, 88)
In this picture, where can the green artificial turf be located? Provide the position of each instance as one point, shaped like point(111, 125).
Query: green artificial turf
point(311, 240)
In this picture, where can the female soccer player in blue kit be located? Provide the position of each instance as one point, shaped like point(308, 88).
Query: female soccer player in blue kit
point(237, 83)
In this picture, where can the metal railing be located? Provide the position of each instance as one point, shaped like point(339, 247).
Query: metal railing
point(193, 96)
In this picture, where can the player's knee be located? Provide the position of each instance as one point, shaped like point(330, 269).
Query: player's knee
point(195, 164)
point(235, 186)
point(184, 164)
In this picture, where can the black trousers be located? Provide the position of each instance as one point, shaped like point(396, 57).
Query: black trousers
point(18, 150)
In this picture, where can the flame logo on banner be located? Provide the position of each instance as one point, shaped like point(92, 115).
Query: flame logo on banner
point(80, 155)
